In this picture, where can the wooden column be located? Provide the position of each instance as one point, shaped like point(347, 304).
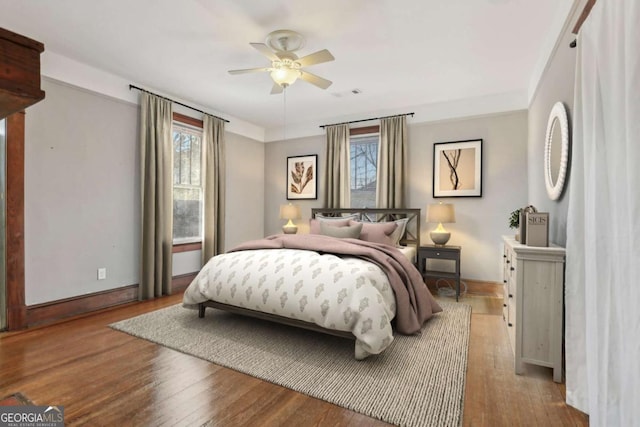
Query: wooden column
point(16, 308)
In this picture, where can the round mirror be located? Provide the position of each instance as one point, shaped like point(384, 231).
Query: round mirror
point(556, 151)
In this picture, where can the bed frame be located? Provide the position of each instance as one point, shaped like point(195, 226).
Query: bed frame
point(411, 237)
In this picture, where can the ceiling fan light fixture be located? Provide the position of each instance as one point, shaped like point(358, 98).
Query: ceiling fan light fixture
point(286, 66)
point(285, 76)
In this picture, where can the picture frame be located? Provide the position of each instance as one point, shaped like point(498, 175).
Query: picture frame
point(302, 177)
point(457, 168)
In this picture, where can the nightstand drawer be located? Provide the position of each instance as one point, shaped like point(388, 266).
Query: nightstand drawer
point(443, 254)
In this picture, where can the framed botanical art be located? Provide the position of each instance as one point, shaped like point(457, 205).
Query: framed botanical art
point(457, 168)
point(302, 177)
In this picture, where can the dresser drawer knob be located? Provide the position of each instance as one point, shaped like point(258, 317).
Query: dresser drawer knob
point(508, 261)
point(438, 253)
point(510, 296)
point(512, 268)
point(510, 325)
point(504, 305)
point(504, 281)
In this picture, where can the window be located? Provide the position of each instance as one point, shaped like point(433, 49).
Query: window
point(364, 167)
point(187, 183)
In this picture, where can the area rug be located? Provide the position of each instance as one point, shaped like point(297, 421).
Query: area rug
point(417, 381)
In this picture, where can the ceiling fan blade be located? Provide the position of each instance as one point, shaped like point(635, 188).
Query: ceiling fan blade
point(315, 58)
point(276, 89)
point(249, 70)
point(315, 80)
point(265, 50)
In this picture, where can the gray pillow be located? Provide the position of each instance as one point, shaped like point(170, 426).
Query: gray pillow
point(347, 232)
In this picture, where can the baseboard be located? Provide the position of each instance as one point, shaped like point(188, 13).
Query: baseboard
point(474, 287)
point(180, 283)
point(53, 311)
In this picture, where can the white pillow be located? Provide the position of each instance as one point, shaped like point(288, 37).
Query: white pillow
point(398, 233)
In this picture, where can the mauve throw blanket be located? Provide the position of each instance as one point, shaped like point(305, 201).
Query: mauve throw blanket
point(414, 302)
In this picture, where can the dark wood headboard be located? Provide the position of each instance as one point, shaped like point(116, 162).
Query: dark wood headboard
point(412, 232)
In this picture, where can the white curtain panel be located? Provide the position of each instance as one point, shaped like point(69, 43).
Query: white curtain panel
point(603, 226)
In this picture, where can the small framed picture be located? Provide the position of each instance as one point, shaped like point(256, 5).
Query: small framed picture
point(302, 177)
point(457, 168)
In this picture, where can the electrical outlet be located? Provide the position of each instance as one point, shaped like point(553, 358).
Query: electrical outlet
point(102, 273)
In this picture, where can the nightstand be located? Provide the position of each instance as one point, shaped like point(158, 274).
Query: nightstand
point(451, 253)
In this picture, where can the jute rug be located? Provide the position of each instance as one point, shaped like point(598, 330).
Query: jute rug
point(417, 381)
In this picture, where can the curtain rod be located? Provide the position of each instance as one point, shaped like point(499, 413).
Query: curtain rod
point(175, 102)
point(367, 120)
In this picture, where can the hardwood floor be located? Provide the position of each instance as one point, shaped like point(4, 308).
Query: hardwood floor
point(105, 377)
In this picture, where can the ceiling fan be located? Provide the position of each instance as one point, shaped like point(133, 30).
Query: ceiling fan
point(286, 67)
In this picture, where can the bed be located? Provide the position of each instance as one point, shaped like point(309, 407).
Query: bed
point(329, 280)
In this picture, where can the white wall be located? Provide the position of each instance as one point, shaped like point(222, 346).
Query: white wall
point(245, 190)
point(82, 194)
point(480, 221)
point(556, 85)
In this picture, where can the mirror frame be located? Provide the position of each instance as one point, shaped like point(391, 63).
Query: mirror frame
point(559, 113)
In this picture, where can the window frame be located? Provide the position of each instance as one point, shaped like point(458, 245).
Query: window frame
point(192, 244)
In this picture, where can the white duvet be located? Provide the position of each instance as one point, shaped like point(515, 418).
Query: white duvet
point(345, 294)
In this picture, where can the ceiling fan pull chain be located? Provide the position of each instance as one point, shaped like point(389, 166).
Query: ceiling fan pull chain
point(284, 108)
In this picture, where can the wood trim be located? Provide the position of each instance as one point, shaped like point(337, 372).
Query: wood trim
point(180, 283)
point(16, 308)
point(188, 120)
point(54, 311)
point(364, 130)
point(186, 247)
point(22, 40)
point(583, 15)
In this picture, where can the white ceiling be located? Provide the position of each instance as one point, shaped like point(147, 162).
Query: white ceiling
point(400, 54)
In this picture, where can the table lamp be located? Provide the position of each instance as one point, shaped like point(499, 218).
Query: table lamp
point(440, 213)
point(289, 212)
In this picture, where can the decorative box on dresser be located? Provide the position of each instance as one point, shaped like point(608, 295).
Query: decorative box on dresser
point(533, 296)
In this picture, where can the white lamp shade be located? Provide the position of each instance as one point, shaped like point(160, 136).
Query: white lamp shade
point(441, 213)
point(289, 211)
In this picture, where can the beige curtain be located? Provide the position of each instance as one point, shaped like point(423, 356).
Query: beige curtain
point(213, 188)
point(156, 155)
point(392, 160)
point(337, 179)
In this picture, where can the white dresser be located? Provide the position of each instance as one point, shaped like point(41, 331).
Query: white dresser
point(533, 295)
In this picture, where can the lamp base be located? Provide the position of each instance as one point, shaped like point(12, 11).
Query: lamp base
point(440, 238)
point(290, 229)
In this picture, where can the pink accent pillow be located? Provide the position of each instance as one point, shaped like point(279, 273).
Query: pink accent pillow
point(377, 232)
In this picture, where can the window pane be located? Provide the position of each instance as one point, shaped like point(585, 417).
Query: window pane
point(196, 152)
point(364, 166)
point(187, 185)
point(187, 213)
